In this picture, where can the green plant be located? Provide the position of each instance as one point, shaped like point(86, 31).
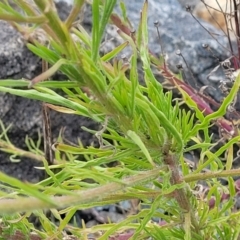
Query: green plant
point(143, 133)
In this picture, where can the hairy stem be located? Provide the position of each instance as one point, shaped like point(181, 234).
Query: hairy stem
point(182, 194)
point(21, 204)
point(209, 175)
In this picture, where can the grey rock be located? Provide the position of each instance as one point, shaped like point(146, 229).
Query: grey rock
point(180, 31)
point(67, 1)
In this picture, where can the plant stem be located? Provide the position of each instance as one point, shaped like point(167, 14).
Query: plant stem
point(209, 175)
point(182, 194)
point(21, 204)
point(176, 178)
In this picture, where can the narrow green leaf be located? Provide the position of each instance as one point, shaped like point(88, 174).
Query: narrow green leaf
point(96, 38)
point(47, 74)
point(229, 162)
point(107, 11)
point(141, 145)
point(14, 83)
point(53, 99)
point(114, 52)
point(99, 24)
point(29, 189)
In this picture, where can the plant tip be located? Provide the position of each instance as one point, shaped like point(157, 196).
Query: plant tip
point(179, 66)
point(156, 23)
point(178, 52)
point(54, 146)
point(188, 8)
point(204, 45)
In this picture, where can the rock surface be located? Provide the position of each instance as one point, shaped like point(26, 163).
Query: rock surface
point(178, 30)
